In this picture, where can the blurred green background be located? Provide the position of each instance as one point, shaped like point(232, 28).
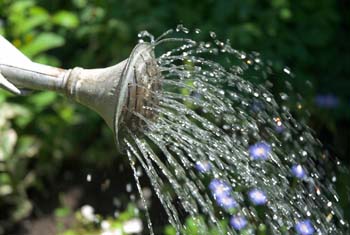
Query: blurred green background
point(56, 156)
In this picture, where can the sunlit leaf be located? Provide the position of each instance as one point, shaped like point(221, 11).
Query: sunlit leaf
point(43, 42)
point(42, 99)
point(66, 19)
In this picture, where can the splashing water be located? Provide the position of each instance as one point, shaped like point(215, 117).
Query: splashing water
point(225, 137)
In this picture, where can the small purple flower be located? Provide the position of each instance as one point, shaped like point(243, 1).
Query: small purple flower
point(227, 202)
point(257, 106)
point(238, 222)
point(257, 197)
point(260, 150)
point(203, 166)
point(279, 128)
point(219, 188)
point(304, 227)
point(327, 101)
point(298, 171)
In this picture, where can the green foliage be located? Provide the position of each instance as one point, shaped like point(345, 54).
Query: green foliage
point(97, 224)
point(43, 42)
point(14, 152)
point(197, 226)
point(66, 19)
point(37, 129)
point(38, 132)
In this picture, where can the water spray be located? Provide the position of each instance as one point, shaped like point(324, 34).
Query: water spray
point(225, 146)
point(114, 92)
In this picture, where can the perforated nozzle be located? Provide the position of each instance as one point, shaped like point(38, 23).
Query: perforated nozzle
point(141, 80)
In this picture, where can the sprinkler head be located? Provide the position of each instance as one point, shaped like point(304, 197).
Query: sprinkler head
point(141, 80)
point(119, 94)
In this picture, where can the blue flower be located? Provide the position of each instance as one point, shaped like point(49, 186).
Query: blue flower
point(279, 128)
point(260, 150)
point(257, 197)
point(298, 171)
point(257, 106)
point(238, 222)
point(304, 227)
point(327, 101)
point(203, 166)
point(219, 188)
point(227, 202)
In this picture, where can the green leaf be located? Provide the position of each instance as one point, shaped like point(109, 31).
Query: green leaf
point(67, 114)
point(42, 100)
point(2, 96)
point(20, 6)
point(285, 14)
point(22, 210)
point(62, 212)
point(48, 60)
point(191, 226)
point(38, 17)
point(27, 146)
point(2, 31)
point(43, 42)
point(262, 229)
point(169, 230)
point(70, 232)
point(8, 143)
point(5, 178)
point(66, 19)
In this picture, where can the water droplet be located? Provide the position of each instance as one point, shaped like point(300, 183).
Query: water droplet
point(283, 96)
point(182, 28)
point(212, 34)
point(128, 188)
point(88, 177)
point(145, 34)
point(334, 179)
point(286, 70)
point(243, 56)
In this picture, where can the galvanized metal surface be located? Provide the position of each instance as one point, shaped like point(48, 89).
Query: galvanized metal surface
point(112, 92)
point(17, 72)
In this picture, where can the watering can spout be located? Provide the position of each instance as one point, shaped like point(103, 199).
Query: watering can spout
point(112, 92)
point(18, 73)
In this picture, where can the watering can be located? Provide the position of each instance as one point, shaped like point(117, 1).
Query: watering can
point(115, 92)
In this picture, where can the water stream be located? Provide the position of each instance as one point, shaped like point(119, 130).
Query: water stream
point(228, 134)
